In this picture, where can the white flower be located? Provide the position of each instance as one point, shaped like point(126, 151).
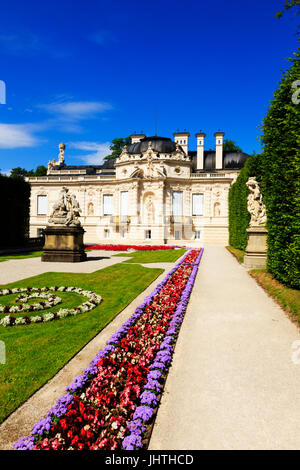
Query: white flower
point(20, 321)
point(36, 319)
point(48, 316)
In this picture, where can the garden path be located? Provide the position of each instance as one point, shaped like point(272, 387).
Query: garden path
point(233, 383)
point(15, 270)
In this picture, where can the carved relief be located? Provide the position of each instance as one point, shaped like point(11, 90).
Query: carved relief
point(90, 208)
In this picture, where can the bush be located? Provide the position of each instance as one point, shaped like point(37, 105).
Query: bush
point(281, 178)
point(15, 197)
point(239, 216)
point(277, 171)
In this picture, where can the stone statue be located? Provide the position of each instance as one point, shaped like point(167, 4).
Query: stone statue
point(66, 210)
point(61, 156)
point(256, 207)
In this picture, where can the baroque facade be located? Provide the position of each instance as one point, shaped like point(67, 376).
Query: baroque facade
point(156, 192)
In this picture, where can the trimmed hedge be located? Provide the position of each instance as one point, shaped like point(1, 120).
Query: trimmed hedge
point(281, 178)
point(277, 171)
point(239, 216)
point(15, 203)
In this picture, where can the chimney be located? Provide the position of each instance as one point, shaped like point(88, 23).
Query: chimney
point(200, 150)
point(137, 138)
point(182, 138)
point(219, 149)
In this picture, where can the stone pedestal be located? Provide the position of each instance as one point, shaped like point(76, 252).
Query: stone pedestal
point(256, 251)
point(64, 244)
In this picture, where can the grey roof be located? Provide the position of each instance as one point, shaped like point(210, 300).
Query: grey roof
point(159, 144)
point(231, 160)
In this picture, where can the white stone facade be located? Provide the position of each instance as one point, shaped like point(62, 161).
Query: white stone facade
point(149, 197)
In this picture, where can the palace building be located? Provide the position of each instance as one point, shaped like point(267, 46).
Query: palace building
point(157, 191)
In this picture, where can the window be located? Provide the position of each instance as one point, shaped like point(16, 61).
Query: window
point(197, 235)
point(42, 205)
point(124, 204)
point(148, 234)
point(177, 203)
point(177, 235)
point(197, 204)
point(106, 233)
point(107, 204)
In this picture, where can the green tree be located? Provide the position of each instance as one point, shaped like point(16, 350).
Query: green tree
point(19, 172)
point(281, 177)
point(288, 4)
point(41, 170)
point(231, 146)
point(117, 147)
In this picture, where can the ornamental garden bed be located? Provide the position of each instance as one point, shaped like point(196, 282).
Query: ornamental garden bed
point(113, 404)
point(131, 247)
point(36, 352)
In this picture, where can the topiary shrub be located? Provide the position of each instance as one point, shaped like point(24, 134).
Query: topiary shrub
point(239, 216)
point(281, 177)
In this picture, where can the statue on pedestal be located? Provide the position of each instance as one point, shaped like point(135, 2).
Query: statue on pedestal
point(64, 233)
point(66, 210)
point(256, 207)
point(256, 251)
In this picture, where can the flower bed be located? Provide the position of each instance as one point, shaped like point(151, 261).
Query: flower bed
point(44, 293)
point(131, 247)
point(112, 404)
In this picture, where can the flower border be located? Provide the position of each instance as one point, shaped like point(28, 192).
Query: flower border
point(9, 320)
point(143, 414)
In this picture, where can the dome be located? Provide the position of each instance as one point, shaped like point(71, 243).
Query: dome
point(231, 160)
point(159, 144)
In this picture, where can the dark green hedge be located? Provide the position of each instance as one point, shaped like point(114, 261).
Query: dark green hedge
point(277, 170)
point(281, 178)
point(239, 216)
point(15, 202)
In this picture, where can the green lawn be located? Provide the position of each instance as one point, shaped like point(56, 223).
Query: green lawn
point(163, 256)
point(239, 254)
point(36, 352)
point(288, 299)
point(31, 254)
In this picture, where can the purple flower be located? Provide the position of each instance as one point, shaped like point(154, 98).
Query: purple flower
point(149, 398)
point(143, 412)
point(25, 443)
point(132, 441)
point(43, 425)
point(136, 426)
point(153, 385)
point(154, 374)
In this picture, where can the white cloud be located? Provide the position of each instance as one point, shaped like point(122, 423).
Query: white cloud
point(76, 110)
point(5, 172)
point(97, 151)
point(17, 135)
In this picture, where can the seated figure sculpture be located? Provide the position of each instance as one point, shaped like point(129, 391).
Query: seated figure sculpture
point(66, 210)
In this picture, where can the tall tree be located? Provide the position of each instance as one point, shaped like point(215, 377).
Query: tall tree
point(288, 4)
point(117, 147)
point(19, 172)
point(231, 146)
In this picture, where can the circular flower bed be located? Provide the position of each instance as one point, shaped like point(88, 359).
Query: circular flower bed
point(52, 300)
point(113, 404)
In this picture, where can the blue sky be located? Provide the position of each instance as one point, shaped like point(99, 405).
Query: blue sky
point(84, 73)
